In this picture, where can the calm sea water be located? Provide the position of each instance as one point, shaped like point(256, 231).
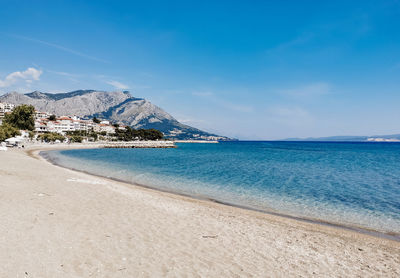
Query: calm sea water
point(348, 183)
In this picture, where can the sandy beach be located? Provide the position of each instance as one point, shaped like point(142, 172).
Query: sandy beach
point(56, 222)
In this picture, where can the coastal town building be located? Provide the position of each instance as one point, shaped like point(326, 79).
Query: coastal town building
point(122, 127)
point(104, 128)
point(41, 115)
point(5, 108)
point(44, 122)
point(65, 124)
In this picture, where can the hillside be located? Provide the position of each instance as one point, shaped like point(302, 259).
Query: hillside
point(118, 107)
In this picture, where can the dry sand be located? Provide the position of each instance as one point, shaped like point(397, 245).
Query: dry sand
point(56, 222)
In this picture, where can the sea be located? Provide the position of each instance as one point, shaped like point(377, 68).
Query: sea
point(350, 184)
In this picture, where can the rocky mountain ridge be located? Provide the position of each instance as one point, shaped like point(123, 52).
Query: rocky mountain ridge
point(118, 107)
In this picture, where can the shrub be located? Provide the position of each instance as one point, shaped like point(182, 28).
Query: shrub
point(51, 137)
point(8, 131)
point(21, 117)
point(76, 139)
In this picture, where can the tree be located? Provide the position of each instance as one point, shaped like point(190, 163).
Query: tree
point(8, 131)
point(31, 135)
point(93, 135)
point(95, 120)
point(51, 137)
point(76, 139)
point(148, 134)
point(21, 117)
point(154, 134)
point(52, 118)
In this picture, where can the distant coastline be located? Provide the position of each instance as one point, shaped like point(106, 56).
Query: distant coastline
point(373, 138)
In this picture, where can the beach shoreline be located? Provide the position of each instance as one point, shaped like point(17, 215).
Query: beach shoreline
point(243, 242)
point(363, 230)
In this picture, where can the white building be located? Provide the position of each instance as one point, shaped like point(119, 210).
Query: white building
point(104, 127)
point(41, 115)
point(122, 127)
point(105, 122)
point(5, 108)
point(64, 124)
point(60, 125)
point(41, 125)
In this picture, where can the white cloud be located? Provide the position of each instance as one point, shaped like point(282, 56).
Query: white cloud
point(118, 85)
point(27, 76)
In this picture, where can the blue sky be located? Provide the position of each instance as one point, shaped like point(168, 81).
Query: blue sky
point(247, 69)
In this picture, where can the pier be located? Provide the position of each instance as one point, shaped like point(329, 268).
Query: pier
point(140, 144)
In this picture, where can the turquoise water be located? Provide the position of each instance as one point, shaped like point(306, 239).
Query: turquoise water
point(355, 184)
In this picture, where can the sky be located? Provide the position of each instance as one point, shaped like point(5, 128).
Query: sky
point(245, 69)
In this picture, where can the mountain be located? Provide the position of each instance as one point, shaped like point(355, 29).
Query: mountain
point(373, 138)
point(118, 107)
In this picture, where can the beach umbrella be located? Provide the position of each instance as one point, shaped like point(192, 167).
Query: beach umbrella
point(14, 140)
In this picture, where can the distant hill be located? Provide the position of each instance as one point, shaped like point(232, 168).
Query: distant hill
point(118, 107)
point(374, 138)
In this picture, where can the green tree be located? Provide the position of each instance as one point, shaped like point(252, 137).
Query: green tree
point(51, 137)
point(95, 120)
point(31, 135)
point(76, 139)
point(21, 117)
point(148, 134)
point(153, 134)
point(8, 131)
point(93, 135)
point(52, 118)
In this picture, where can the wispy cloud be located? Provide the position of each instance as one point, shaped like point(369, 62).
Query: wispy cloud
point(60, 47)
point(66, 74)
point(27, 77)
point(309, 90)
point(118, 85)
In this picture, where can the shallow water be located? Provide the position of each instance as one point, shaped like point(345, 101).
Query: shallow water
point(347, 183)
